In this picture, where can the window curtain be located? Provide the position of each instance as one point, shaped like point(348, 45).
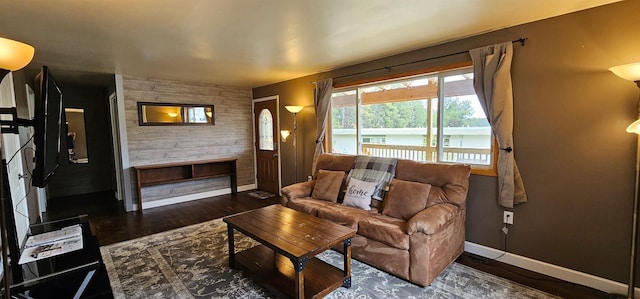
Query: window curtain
point(492, 83)
point(321, 99)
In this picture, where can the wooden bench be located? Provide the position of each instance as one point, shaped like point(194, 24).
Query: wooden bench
point(151, 175)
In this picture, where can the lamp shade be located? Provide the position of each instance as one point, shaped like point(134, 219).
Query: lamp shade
point(14, 55)
point(294, 109)
point(629, 71)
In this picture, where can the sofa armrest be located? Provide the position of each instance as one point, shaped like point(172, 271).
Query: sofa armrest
point(297, 190)
point(432, 219)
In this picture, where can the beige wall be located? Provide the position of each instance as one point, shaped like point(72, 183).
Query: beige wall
point(576, 159)
point(230, 137)
point(295, 92)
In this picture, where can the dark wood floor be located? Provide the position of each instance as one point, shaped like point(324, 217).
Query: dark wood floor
point(111, 225)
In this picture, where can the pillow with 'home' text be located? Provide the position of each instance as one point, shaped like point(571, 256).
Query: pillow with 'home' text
point(359, 193)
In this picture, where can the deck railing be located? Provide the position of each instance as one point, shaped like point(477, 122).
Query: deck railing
point(424, 153)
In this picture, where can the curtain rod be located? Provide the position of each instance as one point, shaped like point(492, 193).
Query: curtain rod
point(388, 68)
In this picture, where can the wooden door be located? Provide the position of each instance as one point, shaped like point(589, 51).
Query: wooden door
point(266, 144)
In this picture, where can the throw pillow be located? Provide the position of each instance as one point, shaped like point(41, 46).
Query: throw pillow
point(405, 199)
point(359, 194)
point(328, 185)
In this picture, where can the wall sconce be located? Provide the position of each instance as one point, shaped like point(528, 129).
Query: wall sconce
point(285, 134)
point(172, 114)
point(631, 72)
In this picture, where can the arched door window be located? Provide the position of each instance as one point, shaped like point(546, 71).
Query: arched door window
point(265, 130)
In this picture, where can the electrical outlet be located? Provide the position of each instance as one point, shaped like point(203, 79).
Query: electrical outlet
point(309, 178)
point(507, 217)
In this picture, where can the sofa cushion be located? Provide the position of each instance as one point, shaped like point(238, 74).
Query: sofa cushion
point(329, 161)
point(359, 193)
point(343, 215)
point(308, 205)
point(449, 182)
point(405, 199)
point(328, 185)
point(384, 229)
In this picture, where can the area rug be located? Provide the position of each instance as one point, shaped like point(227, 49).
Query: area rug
point(261, 194)
point(192, 262)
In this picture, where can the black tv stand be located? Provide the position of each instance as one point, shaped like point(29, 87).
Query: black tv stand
point(76, 274)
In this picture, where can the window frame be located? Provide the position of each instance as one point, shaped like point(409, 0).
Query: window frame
point(478, 169)
point(263, 145)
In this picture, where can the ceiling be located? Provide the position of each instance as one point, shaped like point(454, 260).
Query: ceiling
point(249, 43)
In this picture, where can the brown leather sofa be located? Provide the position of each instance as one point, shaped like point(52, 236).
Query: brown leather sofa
point(418, 248)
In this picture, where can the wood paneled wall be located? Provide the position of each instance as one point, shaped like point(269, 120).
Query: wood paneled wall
point(230, 137)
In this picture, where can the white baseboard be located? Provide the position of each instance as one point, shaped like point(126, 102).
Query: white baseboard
point(566, 274)
point(190, 197)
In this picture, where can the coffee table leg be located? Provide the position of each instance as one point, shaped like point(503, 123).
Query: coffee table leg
point(347, 263)
point(232, 253)
point(299, 284)
point(298, 266)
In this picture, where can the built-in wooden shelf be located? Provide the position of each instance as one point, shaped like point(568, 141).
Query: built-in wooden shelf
point(151, 175)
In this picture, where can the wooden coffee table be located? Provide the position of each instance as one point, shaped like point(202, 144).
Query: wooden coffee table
point(290, 241)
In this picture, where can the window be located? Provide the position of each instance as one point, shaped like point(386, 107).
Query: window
point(265, 130)
point(196, 115)
point(373, 139)
point(432, 117)
point(446, 140)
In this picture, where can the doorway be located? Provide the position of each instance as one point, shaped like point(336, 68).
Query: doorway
point(93, 173)
point(115, 133)
point(266, 143)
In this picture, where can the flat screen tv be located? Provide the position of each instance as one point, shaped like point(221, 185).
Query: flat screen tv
point(47, 123)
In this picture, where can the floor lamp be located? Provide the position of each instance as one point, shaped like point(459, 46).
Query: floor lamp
point(631, 72)
point(295, 110)
point(14, 55)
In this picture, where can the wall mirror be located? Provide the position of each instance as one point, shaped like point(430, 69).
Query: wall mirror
point(162, 114)
point(76, 136)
